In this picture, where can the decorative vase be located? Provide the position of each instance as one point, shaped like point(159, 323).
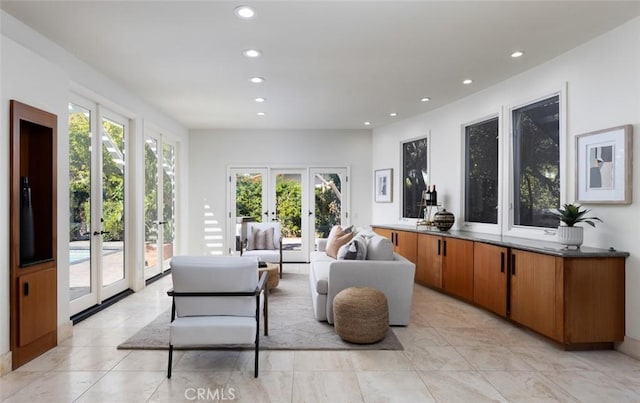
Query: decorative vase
point(570, 236)
point(443, 220)
point(27, 235)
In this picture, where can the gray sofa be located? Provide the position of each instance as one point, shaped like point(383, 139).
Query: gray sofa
point(394, 277)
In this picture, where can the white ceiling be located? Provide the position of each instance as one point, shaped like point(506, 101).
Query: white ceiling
point(327, 64)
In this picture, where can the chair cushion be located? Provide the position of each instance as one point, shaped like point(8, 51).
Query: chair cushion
point(337, 238)
point(212, 330)
point(379, 248)
point(262, 239)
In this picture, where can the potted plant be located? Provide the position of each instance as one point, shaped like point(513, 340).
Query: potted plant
point(570, 215)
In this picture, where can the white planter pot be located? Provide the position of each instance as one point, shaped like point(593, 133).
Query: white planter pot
point(570, 236)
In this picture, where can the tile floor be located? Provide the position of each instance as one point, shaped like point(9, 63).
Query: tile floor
point(453, 353)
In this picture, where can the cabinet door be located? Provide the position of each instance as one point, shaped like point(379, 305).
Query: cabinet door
point(383, 232)
point(457, 267)
point(490, 277)
point(429, 260)
point(406, 244)
point(37, 305)
point(534, 293)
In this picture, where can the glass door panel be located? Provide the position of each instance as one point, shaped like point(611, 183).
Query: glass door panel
point(151, 236)
point(80, 276)
point(328, 201)
point(113, 207)
point(248, 202)
point(287, 203)
point(168, 202)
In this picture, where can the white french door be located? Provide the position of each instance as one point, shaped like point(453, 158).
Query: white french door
point(329, 201)
point(97, 200)
point(306, 201)
point(159, 202)
point(288, 203)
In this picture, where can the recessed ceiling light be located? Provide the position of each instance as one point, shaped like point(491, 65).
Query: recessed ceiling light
point(260, 99)
point(244, 12)
point(252, 53)
point(393, 114)
point(367, 123)
point(425, 99)
point(261, 113)
point(517, 53)
point(256, 80)
point(467, 81)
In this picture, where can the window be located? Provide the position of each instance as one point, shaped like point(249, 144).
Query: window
point(536, 163)
point(481, 172)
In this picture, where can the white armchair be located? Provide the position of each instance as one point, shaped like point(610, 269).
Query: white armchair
point(217, 300)
point(264, 242)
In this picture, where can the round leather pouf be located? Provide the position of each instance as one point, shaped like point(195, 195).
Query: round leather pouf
point(361, 315)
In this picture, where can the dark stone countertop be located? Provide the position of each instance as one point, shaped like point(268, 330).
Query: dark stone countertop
point(532, 245)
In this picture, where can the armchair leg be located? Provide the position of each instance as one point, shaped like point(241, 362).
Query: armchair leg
point(170, 359)
point(281, 269)
point(266, 312)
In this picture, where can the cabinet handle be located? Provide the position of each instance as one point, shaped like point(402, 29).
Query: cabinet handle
point(513, 264)
point(501, 262)
point(26, 289)
point(439, 241)
point(444, 248)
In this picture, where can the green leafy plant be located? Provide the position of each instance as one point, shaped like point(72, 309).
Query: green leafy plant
point(572, 214)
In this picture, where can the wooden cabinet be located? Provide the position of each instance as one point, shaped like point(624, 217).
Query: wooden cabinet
point(446, 263)
point(429, 263)
point(535, 289)
point(404, 242)
point(575, 301)
point(33, 233)
point(490, 277)
point(457, 267)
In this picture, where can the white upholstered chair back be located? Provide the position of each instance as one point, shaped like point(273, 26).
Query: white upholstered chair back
point(214, 274)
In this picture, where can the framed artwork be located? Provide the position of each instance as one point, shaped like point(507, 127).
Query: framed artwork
point(415, 175)
point(604, 166)
point(383, 186)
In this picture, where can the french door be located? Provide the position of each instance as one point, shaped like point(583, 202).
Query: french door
point(97, 200)
point(329, 206)
point(306, 202)
point(159, 202)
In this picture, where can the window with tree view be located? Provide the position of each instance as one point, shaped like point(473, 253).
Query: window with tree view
point(536, 159)
point(481, 172)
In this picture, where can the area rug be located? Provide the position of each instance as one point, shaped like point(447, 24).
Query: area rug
point(291, 325)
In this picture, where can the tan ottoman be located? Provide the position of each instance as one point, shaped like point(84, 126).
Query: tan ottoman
point(361, 315)
point(273, 279)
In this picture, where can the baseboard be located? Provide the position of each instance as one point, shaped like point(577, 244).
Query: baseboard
point(65, 331)
point(5, 363)
point(630, 347)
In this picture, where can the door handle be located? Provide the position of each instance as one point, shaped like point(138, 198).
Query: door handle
point(310, 213)
point(26, 289)
point(100, 233)
point(501, 262)
point(162, 222)
point(513, 264)
point(439, 245)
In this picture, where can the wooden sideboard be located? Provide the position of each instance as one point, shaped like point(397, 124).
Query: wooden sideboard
point(575, 297)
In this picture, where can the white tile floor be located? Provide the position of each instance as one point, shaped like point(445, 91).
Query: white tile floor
point(453, 353)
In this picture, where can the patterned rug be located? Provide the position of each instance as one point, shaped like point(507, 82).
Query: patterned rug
point(291, 325)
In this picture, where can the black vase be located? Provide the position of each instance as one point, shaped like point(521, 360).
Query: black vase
point(27, 235)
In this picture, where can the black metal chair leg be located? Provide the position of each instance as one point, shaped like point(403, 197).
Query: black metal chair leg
point(170, 359)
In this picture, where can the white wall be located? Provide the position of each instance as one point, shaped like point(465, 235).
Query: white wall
point(603, 81)
point(211, 152)
point(39, 73)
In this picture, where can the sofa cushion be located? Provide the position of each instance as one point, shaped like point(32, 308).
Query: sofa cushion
point(355, 249)
point(337, 238)
point(379, 248)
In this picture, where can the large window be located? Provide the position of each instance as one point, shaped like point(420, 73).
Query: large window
point(481, 172)
point(536, 163)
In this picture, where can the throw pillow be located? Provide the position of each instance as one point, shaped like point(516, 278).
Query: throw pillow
point(261, 239)
point(337, 238)
point(355, 249)
point(379, 248)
